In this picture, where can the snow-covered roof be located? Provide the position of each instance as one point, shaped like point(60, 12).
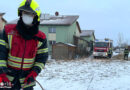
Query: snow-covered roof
point(87, 32)
point(13, 22)
point(68, 44)
point(59, 20)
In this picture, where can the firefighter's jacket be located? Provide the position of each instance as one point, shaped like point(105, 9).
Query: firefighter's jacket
point(19, 56)
point(126, 51)
point(110, 51)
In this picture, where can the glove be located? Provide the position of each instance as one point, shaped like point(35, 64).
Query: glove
point(31, 77)
point(4, 78)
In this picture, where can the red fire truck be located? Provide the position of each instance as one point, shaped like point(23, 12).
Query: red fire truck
point(103, 48)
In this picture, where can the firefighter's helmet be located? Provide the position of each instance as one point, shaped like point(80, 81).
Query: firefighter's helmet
point(126, 47)
point(30, 6)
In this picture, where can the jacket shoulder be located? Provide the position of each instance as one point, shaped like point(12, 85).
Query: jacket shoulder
point(41, 35)
point(10, 27)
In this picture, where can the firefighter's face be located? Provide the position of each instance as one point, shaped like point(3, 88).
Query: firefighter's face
point(27, 18)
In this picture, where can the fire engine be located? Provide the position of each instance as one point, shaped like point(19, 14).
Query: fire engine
point(103, 48)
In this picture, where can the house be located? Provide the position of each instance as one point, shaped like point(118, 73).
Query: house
point(89, 36)
point(58, 28)
point(2, 21)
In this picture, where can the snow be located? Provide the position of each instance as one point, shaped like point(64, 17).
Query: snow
point(70, 44)
point(114, 53)
point(85, 74)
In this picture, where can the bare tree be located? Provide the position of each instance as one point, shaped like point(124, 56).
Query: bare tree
point(120, 39)
point(125, 43)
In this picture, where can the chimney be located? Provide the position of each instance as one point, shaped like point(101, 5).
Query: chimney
point(56, 13)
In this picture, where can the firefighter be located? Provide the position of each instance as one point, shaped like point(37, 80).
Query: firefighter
point(126, 53)
point(110, 53)
point(23, 48)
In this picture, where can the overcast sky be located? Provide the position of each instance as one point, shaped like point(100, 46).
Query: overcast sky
point(107, 17)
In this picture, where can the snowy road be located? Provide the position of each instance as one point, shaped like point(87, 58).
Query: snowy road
point(86, 74)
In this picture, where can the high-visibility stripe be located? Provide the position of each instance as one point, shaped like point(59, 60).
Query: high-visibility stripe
point(27, 65)
point(14, 64)
point(3, 63)
point(28, 85)
point(41, 65)
point(10, 77)
point(39, 44)
point(45, 50)
point(22, 80)
point(17, 59)
point(2, 42)
point(10, 41)
point(18, 65)
point(18, 62)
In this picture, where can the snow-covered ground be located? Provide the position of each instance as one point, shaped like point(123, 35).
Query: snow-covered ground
point(85, 74)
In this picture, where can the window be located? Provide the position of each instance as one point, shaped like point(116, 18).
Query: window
point(52, 42)
point(101, 44)
point(52, 30)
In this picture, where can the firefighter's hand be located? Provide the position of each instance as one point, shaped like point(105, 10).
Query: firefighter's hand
point(31, 77)
point(4, 78)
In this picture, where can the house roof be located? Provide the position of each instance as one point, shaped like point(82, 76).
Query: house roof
point(59, 20)
point(1, 14)
point(4, 20)
point(54, 20)
point(87, 33)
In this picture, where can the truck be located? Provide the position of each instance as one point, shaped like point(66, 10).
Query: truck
point(103, 48)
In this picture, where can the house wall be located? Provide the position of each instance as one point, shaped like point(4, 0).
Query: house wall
point(73, 30)
point(91, 38)
point(61, 34)
point(77, 31)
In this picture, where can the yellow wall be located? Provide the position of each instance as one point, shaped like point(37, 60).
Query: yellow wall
point(52, 36)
